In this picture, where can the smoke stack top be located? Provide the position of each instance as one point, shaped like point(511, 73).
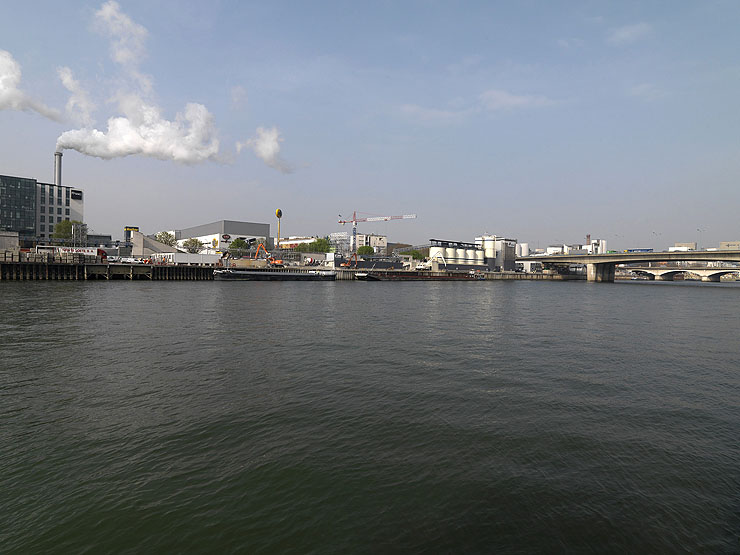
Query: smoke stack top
point(57, 168)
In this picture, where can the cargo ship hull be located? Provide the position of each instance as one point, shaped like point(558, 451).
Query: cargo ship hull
point(269, 274)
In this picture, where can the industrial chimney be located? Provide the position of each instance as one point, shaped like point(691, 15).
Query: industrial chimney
point(57, 168)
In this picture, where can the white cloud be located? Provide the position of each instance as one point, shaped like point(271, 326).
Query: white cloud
point(433, 115)
point(489, 101)
point(79, 106)
point(646, 91)
point(266, 146)
point(12, 97)
point(238, 97)
point(568, 43)
point(629, 33)
point(496, 99)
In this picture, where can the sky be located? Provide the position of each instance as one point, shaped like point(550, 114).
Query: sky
point(535, 120)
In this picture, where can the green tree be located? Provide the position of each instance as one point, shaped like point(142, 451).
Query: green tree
point(192, 245)
point(63, 230)
point(238, 247)
point(321, 244)
point(166, 237)
point(365, 249)
point(238, 244)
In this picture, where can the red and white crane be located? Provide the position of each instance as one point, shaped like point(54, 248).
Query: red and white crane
point(354, 220)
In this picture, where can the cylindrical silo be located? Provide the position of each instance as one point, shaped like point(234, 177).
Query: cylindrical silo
point(524, 247)
point(489, 247)
point(469, 256)
point(436, 253)
point(460, 256)
point(450, 255)
point(480, 257)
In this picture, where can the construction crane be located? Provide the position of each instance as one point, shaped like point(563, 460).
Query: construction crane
point(354, 220)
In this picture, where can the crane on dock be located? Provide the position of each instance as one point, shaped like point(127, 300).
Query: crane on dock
point(354, 221)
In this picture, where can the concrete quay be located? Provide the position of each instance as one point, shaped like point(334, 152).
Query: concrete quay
point(15, 271)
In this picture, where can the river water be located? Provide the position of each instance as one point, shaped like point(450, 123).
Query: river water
point(488, 417)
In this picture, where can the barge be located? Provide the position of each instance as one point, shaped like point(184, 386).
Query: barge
point(273, 274)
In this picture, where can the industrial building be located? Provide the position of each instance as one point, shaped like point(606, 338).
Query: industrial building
point(340, 241)
point(456, 255)
point(499, 252)
point(489, 252)
point(32, 208)
point(216, 236)
point(379, 243)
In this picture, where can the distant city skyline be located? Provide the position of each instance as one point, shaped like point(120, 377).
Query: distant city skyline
point(538, 121)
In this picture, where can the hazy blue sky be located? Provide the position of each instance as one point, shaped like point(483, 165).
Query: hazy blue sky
point(542, 121)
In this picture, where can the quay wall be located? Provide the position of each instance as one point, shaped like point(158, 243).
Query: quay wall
point(16, 266)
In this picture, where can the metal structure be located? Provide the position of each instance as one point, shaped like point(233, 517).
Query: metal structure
point(355, 220)
point(279, 214)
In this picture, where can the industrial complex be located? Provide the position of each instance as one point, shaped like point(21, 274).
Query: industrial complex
point(31, 211)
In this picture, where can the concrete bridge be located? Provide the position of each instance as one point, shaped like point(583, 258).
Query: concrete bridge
point(668, 274)
point(601, 267)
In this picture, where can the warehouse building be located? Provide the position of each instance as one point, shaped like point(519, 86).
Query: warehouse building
point(216, 236)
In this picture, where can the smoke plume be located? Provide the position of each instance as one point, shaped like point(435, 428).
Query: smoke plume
point(13, 98)
point(128, 41)
point(189, 139)
point(266, 145)
point(79, 105)
point(139, 128)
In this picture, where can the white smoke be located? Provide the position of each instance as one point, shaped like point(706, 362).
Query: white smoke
point(140, 128)
point(13, 98)
point(128, 40)
point(79, 105)
point(266, 145)
point(189, 139)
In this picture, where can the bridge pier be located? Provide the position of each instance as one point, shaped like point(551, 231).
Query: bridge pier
point(600, 272)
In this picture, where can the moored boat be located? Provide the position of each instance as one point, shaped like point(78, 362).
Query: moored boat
point(273, 274)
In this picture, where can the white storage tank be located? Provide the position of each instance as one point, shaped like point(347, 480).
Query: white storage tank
point(489, 247)
point(523, 248)
point(480, 257)
point(437, 253)
point(470, 256)
point(450, 255)
point(460, 256)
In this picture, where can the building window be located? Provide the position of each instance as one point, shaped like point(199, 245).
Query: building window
point(43, 227)
point(51, 229)
point(66, 193)
point(59, 211)
point(51, 209)
point(66, 219)
point(43, 218)
point(66, 202)
point(43, 198)
point(66, 212)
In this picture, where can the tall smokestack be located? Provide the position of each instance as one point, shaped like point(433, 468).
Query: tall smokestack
point(57, 168)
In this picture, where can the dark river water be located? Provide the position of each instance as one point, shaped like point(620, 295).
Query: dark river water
point(482, 417)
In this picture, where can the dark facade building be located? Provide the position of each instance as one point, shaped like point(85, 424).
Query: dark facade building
point(18, 206)
point(32, 208)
